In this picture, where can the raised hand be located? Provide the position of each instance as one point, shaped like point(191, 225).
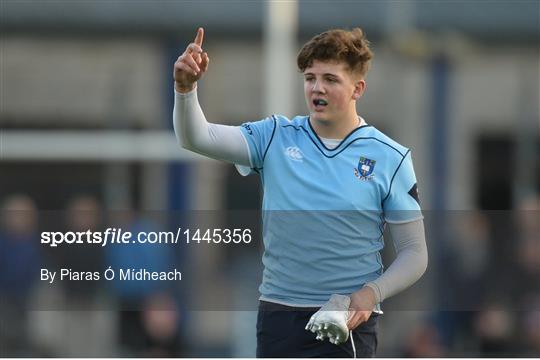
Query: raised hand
point(191, 65)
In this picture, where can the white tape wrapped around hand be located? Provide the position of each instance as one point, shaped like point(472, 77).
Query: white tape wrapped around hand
point(331, 320)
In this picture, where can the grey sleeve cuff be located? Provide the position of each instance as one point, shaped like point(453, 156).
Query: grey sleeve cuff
point(376, 290)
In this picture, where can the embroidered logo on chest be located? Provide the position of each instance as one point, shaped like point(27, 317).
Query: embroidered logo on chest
point(364, 170)
point(294, 153)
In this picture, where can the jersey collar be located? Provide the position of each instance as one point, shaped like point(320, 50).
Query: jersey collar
point(320, 144)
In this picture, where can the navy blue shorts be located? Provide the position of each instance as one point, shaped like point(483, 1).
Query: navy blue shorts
point(281, 333)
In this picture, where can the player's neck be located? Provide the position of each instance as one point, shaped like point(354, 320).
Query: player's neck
point(336, 129)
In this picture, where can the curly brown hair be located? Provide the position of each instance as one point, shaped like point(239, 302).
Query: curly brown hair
point(338, 45)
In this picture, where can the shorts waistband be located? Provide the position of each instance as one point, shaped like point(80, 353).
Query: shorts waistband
point(270, 306)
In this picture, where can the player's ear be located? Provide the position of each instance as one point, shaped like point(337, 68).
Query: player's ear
point(359, 89)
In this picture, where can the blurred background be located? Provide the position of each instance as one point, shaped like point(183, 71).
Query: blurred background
point(86, 128)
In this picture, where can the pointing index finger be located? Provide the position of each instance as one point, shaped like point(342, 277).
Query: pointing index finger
point(200, 36)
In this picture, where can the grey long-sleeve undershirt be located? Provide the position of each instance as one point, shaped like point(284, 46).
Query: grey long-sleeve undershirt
point(227, 143)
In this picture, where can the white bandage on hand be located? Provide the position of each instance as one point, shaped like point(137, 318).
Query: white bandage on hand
point(331, 320)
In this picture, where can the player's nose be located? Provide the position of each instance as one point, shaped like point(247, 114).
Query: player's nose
point(317, 87)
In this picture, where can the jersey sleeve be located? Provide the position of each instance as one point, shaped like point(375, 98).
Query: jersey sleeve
point(259, 135)
point(402, 203)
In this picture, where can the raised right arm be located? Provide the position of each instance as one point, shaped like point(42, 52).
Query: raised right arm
point(192, 131)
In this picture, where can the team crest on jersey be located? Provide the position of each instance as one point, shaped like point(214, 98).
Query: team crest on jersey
point(364, 171)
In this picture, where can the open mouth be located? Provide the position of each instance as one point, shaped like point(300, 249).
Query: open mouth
point(320, 102)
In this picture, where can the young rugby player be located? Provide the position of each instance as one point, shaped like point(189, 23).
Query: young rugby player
point(331, 183)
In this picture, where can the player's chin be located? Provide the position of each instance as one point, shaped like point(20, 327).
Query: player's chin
point(318, 116)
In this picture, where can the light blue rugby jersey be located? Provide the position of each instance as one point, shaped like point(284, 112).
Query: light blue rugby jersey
point(324, 209)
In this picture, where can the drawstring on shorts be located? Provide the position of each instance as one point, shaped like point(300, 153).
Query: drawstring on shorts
point(352, 343)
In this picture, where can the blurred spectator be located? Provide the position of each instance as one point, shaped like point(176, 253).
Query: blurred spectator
point(160, 319)
point(83, 213)
point(83, 328)
point(424, 341)
point(20, 260)
point(494, 329)
point(527, 277)
point(465, 263)
point(527, 268)
point(471, 248)
point(138, 299)
point(531, 326)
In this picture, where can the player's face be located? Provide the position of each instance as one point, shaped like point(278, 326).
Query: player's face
point(330, 90)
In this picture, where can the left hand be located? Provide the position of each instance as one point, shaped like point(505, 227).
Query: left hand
point(362, 304)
